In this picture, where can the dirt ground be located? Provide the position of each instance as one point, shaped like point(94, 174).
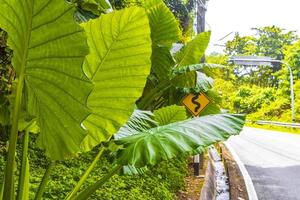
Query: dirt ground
point(193, 184)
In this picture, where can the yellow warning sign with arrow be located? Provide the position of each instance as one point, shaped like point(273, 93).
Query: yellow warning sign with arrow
point(195, 103)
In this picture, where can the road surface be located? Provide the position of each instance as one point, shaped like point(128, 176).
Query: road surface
point(272, 160)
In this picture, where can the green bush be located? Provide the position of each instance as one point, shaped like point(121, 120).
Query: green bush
point(249, 99)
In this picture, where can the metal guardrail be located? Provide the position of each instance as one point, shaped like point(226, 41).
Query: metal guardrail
point(283, 124)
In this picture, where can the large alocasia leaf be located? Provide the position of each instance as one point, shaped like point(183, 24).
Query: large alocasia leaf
point(118, 65)
point(49, 49)
point(193, 82)
point(142, 120)
point(162, 61)
point(203, 67)
point(211, 108)
point(193, 51)
point(187, 79)
point(139, 121)
point(165, 142)
point(164, 32)
point(164, 26)
point(169, 114)
point(193, 78)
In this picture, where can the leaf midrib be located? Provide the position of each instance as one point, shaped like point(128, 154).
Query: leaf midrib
point(27, 40)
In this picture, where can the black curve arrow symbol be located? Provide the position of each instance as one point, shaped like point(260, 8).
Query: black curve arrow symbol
point(198, 105)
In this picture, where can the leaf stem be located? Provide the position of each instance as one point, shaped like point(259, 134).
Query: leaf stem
point(2, 188)
point(44, 182)
point(91, 189)
point(24, 169)
point(10, 164)
point(85, 175)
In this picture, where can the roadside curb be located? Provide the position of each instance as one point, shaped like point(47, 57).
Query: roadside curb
point(247, 179)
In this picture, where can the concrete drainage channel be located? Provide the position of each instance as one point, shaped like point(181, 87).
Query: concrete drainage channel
point(226, 182)
point(243, 173)
point(216, 185)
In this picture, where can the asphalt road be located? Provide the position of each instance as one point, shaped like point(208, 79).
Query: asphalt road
point(272, 160)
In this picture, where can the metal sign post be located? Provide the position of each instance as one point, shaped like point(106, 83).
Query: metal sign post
point(196, 165)
point(196, 103)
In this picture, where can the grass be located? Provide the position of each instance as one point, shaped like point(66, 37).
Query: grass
point(275, 128)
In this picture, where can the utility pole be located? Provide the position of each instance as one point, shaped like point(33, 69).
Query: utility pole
point(200, 16)
point(201, 10)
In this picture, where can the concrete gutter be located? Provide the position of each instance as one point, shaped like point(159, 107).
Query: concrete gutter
point(216, 186)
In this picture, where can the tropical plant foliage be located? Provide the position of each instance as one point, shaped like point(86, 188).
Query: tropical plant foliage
point(76, 85)
point(118, 65)
point(150, 146)
point(177, 82)
point(54, 84)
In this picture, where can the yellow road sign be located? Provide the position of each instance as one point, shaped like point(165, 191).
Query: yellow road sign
point(195, 103)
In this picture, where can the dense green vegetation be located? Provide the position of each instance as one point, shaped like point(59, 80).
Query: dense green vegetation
point(69, 119)
point(162, 181)
point(264, 92)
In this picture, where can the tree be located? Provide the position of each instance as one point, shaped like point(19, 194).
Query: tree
point(261, 91)
point(272, 41)
point(268, 41)
point(292, 57)
point(241, 45)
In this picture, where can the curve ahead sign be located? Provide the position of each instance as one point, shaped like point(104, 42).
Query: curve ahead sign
point(195, 103)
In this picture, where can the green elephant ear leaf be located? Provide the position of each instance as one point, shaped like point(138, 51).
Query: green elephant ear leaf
point(210, 109)
point(49, 49)
point(193, 51)
point(164, 26)
point(151, 146)
point(203, 67)
point(118, 65)
point(162, 61)
point(193, 82)
point(139, 121)
point(169, 114)
point(164, 32)
point(144, 120)
point(192, 78)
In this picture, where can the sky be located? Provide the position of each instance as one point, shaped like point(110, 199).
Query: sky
point(226, 16)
